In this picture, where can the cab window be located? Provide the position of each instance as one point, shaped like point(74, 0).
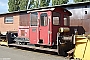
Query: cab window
point(66, 20)
point(43, 20)
point(56, 18)
point(34, 17)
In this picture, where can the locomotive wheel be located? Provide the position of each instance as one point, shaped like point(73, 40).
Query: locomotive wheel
point(17, 42)
point(21, 43)
point(61, 51)
point(37, 45)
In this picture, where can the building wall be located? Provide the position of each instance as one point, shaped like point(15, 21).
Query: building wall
point(80, 16)
point(4, 27)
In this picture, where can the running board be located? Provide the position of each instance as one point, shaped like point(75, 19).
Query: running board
point(33, 47)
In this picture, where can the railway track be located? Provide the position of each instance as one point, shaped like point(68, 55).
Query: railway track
point(27, 54)
point(32, 47)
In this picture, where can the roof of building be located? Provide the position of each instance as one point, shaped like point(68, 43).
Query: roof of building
point(73, 4)
point(23, 11)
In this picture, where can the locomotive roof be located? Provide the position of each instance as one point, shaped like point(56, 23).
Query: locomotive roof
point(50, 7)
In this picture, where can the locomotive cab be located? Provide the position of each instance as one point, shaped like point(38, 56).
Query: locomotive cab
point(44, 24)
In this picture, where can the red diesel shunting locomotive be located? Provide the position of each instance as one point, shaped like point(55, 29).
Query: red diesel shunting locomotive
point(43, 27)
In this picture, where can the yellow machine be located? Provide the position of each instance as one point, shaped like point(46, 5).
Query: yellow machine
point(3, 38)
point(4, 43)
point(82, 47)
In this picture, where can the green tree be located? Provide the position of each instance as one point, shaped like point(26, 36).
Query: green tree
point(38, 3)
point(80, 0)
point(44, 3)
point(59, 2)
point(23, 4)
point(31, 4)
point(12, 5)
point(15, 5)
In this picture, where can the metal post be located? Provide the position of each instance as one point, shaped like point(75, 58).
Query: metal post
point(58, 41)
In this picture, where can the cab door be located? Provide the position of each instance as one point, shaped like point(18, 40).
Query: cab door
point(43, 28)
point(33, 27)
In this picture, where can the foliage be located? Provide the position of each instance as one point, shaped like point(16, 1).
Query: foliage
point(15, 5)
point(31, 4)
point(44, 3)
point(12, 6)
point(80, 0)
point(23, 4)
point(59, 2)
point(38, 3)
